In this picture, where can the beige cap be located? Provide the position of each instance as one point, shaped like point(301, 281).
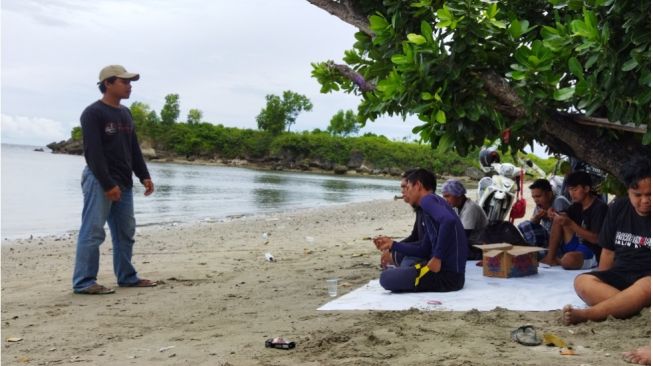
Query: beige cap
point(117, 71)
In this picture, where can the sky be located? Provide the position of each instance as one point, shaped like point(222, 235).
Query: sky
point(221, 57)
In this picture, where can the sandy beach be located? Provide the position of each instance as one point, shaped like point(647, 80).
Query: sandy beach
point(219, 300)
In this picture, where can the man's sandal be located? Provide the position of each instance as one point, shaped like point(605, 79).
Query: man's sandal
point(141, 283)
point(95, 289)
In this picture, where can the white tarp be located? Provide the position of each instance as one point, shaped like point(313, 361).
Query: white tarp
point(550, 289)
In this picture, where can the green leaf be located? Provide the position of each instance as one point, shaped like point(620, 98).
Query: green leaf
point(416, 39)
point(441, 117)
point(515, 28)
point(492, 11)
point(498, 23)
point(378, 23)
point(399, 59)
point(629, 65)
point(444, 144)
point(426, 96)
point(563, 94)
point(576, 68)
point(517, 75)
point(426, 31)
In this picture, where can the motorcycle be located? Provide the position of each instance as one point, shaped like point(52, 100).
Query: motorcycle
point(497, 194)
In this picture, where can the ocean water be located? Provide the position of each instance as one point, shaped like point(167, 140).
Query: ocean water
point(41, 193)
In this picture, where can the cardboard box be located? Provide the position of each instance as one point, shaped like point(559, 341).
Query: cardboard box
point(507, 260)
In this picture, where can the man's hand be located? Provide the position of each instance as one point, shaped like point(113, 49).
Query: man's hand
point(434, 264)
point(551, 213)
point(149, 186)
point(382, 243)
point(539, 216)
point(563, 219)
point(113, 194)
point(386, 259)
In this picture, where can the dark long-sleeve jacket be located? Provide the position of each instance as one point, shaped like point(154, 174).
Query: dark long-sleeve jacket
point(111, 148)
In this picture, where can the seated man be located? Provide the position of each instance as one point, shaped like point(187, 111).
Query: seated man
point(536, 230)
point(621, 287)
point(471, 214)
point(578, 228)
point(443, 247)
point(397, 259)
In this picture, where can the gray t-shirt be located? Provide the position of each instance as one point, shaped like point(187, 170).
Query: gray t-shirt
point(472, 216)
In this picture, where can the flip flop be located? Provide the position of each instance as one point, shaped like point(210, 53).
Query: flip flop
point(141, 283)
point(95, 289)
point(526, 335)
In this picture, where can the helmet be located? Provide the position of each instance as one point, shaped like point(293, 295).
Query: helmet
point(489, 156)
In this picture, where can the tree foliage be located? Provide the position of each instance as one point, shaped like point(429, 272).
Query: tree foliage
point(528, 71)
point(194, 116)
point(280, 113)
point(170, 111)
point(344, 123)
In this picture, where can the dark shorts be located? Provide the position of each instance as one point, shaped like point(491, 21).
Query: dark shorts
point(574, 245)
point(620, 280)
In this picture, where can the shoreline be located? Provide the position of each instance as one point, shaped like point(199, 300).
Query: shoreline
point(219, 300)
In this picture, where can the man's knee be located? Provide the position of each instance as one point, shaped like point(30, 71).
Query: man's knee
point(585, 283)
point(572, 260)
point(643, 286)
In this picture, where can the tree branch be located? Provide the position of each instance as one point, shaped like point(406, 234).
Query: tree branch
point(346, 11)
point(352, 75)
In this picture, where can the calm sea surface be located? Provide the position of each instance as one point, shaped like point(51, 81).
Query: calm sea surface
point(41, 193)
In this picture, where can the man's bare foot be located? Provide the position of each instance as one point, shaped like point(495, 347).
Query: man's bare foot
point(639, 356)
point(571, 316)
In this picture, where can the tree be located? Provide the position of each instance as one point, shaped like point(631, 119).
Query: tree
point(194, 116)
point(574, 75)
point(170, 110)
point(343, 123)
point(281, 113)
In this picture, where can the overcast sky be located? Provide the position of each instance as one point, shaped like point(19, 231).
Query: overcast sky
point(222, 57)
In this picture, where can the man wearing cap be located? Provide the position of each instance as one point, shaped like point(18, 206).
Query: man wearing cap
point(112, 153)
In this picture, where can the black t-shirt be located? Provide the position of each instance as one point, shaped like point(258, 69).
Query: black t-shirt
point(590, 219)
point(110, 145)
point(629, 236)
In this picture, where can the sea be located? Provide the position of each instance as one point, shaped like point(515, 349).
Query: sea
point(41, 192)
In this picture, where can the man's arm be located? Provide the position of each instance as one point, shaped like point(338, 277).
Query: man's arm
point(607, 259)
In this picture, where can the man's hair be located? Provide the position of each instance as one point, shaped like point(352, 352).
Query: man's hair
point(111, 80)
point(423, 176)
point(407, 173)
point(635, 170)
point(542, 184)
point(578, 178)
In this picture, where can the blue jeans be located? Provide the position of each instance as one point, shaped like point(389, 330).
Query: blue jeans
point(98, 209)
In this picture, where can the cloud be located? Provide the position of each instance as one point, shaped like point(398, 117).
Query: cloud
point(32, 130)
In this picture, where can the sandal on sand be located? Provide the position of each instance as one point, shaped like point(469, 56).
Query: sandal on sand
point(95, 289)
point(526, 335)
point(141, 283)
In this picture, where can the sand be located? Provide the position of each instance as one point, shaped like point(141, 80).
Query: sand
point(219, 300)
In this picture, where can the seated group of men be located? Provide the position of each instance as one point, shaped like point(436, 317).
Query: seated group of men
point(579, 235)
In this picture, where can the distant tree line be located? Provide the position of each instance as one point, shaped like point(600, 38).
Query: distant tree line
point(194, 138)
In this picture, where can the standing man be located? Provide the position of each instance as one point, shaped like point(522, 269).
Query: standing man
point(443, 247)
point(112, 153)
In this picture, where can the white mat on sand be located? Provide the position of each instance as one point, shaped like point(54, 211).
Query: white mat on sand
point(550, 289)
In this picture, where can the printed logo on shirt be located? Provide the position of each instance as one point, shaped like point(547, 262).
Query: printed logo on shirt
point(631, 240)
point(111, 128)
